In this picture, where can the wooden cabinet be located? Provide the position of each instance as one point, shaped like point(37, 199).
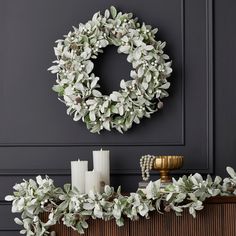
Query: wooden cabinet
point(218, 218)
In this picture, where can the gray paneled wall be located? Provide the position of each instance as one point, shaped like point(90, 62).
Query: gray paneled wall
point(36, 135)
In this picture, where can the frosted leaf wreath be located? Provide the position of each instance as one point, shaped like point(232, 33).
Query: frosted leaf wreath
point(78, 85)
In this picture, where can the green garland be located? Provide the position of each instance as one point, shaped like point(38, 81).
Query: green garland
point(78, 86)
point(34, 197)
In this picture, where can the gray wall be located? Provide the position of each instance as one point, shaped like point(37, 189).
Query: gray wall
point(198, 118)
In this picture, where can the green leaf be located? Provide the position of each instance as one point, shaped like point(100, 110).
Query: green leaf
point(217, 180)
point(90, 102)
point(192, 211)
point(95, 16)
point(104, 43)
point(180, 197)
point(160, 105)
point(149, 47)
point(124, 49)
point(154, 31)
point(158, 204)
point(169, 196)
point(86, 213)
point(165, 86)
point(98, 211)
point(92, 116)
point(151, 191)
point(121, 110)
point(231, 172)
point(88, 206)
point(67, 188)
point(94, 82)
point(107, 13)
point(122, 84)
point(89, 66)
point(113, 12)
point(198, 177)
point(114, 41)
point(18, 221)
point(192, 197)
point(96, 93)
point(143, 209)
point(107, 190)
point(120, 222)
point(136, 120)
point(140, 71)
point(215, 192)
point(106, 125)
point(114, 97)
point(145, 85)
point(84, 224)
point(63, 206)
point(33, 184)
point(177, 209)
point(79, 228)
point(9, 198)
point(114, 109)
point(137, 54)
point(59, 89)
point(148, 77)
point(54, 69)
point(133, 74)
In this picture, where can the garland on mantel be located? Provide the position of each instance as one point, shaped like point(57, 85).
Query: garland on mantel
point(72, 208)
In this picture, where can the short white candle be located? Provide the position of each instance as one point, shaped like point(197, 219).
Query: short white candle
point(92, 181)
point(101, 164)
point(78, 169)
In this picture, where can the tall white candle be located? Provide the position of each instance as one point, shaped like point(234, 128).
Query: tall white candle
point(101, 163)
point(78, 169)
point(92, 181)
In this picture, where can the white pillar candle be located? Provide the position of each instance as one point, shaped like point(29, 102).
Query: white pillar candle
point(78, 169)
point(92, 181)
point(101, 164)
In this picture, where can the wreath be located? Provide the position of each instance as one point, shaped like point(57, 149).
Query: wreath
point(78, 86)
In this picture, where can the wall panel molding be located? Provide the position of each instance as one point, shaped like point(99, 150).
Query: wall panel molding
point(210, 84)
point(127, 140)
point(200, 159)
point(182, 146)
